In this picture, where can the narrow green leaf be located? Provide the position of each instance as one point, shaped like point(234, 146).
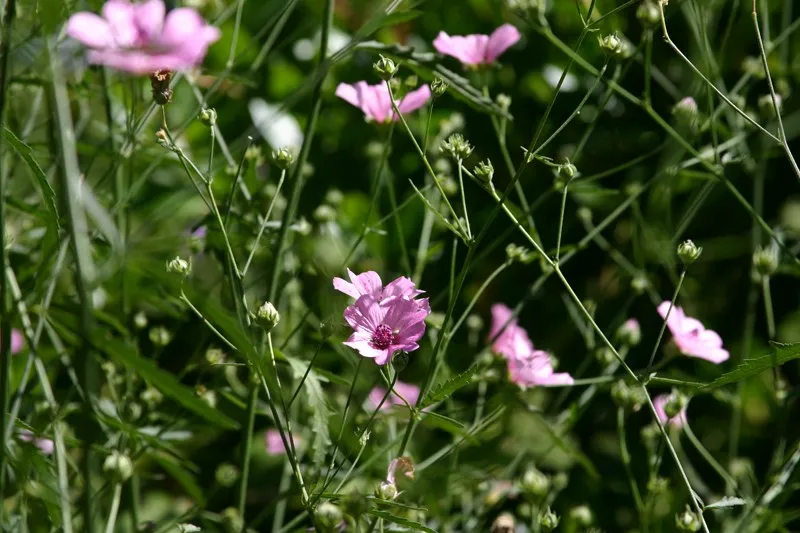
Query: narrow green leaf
point(384, 21)
point(452, 426)
point(320, 412)
point(163, 381)
point(752, 367)
point(45, 189)
point(444, 390)
point(389, 517)
point(182, 475)
point(726, 502)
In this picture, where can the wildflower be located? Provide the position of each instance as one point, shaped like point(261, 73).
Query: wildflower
point(142, 38)
point(438, 87)
point(407, 391)
point(283, 158)
point(329, 517)
point(687, 520)
point(267, 316)
point(274, 444)
point(686, 112)
point(676, 420)
point(582, 515)
point(765, 260)
point(46, 446)
point(477, 49)
point(510, 341)
point(179, 266)
point(535, 483)
point(226, 475)
point(376, 103)
point(381, 329)
point(17, 341)
point(536, 368)
point(691, 337)
point(484, 171)
point(648, 13)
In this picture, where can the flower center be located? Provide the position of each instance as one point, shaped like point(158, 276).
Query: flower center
point(383, 337)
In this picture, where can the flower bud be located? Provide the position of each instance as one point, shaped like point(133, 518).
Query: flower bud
point(151, 397)
point(438, 87)
point(566, 171)
point(503, 101)
point(118, 466)
point(159, 82)
point(548, 520)
point(648, 13)
point(334, 197)
point(626, 396)
point(613, 46)
point(188, 528)
point(215, 356)
point(302, 226)
point(582, 515)
point(474, 322)
point(328, 516)
point(457, 147)
point(324, 213)
point(765, 260)
point(520, 254)
point(689, 252)
point(400, 361)
point(484, 171)
point(283, 158)
point(651, 436)
point(163, 139)
point(133, 411)
point(534, 483)
point(604, 356)
point(585, 214)
point(140, 320)
point(226, 475)
point(687, 520)
point(160, 336)
point(267, 316)
point(254, 155)
point(767, 107)
point(387, 491)
point(385, 68)
point(675, 404)
point(449, 186)
point(658, 485)
point(639, 284)
point(686, 112)
point(209, 396)
point(232, 521)
point(504, 523)
point(630, 333)
point(179, 266)
point(208, 117)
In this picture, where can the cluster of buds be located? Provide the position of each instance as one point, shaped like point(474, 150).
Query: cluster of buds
point(119, 466)
point(438, 87)
point(457, 147)
point(628, 397)
point(484, 171)
point(615, 47)
point(516, 253)
point(179, 266)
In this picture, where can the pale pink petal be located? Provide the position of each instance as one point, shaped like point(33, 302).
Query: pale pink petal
point(501, 40)
point(414, 100)
point(366, 349)
point(561, 378)
point(469, 49)
point(407, 391)
point(17, 341)
point(149, 17)
point(366, 283)
point(121, 19)
point(346, 287)
point(375, 397)
point(675, 317)
point(372, 103)
point(384, 357)
point(90, 29)
point(659, 402)
point(181, 26)
point(46, 446)
point(402, 287)
point(134, 61)
point(348, 93)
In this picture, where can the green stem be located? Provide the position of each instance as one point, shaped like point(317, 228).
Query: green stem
point(768, 307)
point(478, 294)
point(709, 457)
point(297, 178)
point(264, 223)
point(626, 460)
point(664, 323)
point(252, 405)
point(463, 197)
point(111, 524)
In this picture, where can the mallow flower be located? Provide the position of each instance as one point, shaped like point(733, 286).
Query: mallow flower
point(527, 366)
point(370, 283)
point(406, 390)
point(660, 402)
point(474, 50)
point(142, 38)
point(375, 102)
point(691, 337)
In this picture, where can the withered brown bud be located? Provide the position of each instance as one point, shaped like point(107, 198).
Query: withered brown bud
point(159, 81)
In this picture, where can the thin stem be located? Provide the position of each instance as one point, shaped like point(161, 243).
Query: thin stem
point(264, 223)
point(185, 299)
point(709, 457)
point(297, 177)
point(235, 39)
point(463, 198)
point(477, 296)
point(344, 414)
point(768, 310)
point(111, 523)
point(666, 318)
point(626, 461)
point(252, 404)
point(561, 221)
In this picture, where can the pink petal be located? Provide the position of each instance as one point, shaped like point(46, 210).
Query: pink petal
point(181, 25)
point(348, 93)
point(149, 17)
point(373, 99)
point(674, 319)
point(45, 445)
point(121, 19)
point(375, 397)
point(364, 348)
point(407, 391)
point(414, 100)
point(402, 287)
point(17, 341)
point(469, 49)
point(134, 61)
point(346, 287)
point(562, 378)
point(90, 29)
point(366, 283)
point(501, 40)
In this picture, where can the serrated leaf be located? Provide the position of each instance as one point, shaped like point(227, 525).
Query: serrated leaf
point(389, 517)
point(320, 412)
point(752, 367)
point(165, 382)
point(726, 502)
point(45, 189)
point(444, 390)
point(426, 65)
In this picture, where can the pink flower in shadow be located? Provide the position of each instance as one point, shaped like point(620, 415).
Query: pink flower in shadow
point(477, 49)
point(17, 341)
point(46, 446)
point(660, 402)
point(691, 337)
point(274, 444)
point(375, 102)
point(407, 391)
point(142, 38)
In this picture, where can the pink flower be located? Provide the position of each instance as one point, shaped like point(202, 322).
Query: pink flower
point(527, 366)
point(407, 391)
point(477, 49)
point(659, 402)
point(375, 102)
point(383, 328)
point(370, 283)
point(17, 341)
point(691, 337)
point(46, 446)
point(141, 38)
point(274, 444)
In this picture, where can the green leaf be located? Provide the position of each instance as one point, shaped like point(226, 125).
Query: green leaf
point(320, 412)
point(163, 381)
point(426, 65)
point(384, 20)
point(389, 517)
point(726, 502)
point(752, 367)
point(45, 189)
point(444, 390)
point(182, 476)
